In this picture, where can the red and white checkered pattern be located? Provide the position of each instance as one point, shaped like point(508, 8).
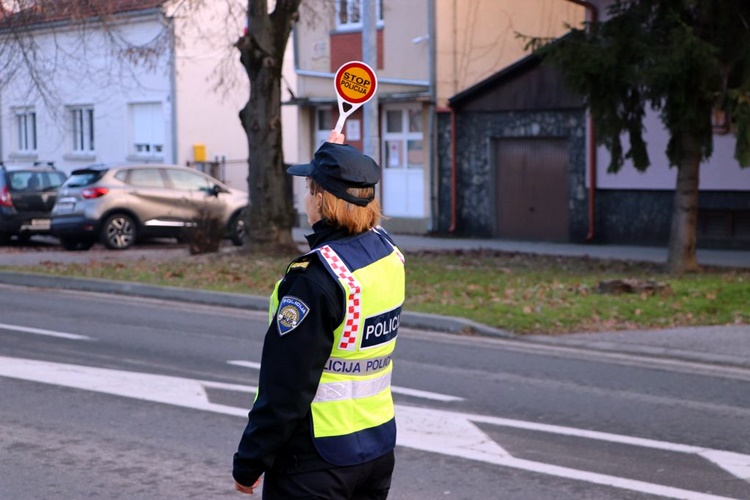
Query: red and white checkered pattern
point(353, 308)
point(399, 254)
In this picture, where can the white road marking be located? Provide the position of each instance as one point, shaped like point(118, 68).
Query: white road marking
point(246, 364)
point(148, 387)
point(40, 331)
point(429, 430)
point(435, 396)
point(735, 463)
point(436, 431)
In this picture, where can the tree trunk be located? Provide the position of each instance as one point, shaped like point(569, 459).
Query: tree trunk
point(271, 215)
point(682, 239)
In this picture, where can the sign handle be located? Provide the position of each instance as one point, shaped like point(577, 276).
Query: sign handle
point(343, 115)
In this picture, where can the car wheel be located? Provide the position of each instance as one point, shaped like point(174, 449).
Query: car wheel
point(237, 230)
point(75, 244)
point(118, 232)
point(4, 238)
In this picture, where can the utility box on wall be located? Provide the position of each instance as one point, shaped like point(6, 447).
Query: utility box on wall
point(199, 152)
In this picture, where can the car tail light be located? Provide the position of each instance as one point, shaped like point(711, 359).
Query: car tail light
point(5, 199)
point(94, 192)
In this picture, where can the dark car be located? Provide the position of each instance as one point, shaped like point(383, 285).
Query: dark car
point(27, 195)
point(119, 204)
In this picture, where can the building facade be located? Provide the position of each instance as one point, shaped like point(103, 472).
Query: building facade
point(152, 81)
point(427, 51)
point(517, 160)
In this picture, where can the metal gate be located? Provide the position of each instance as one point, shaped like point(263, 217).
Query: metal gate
point(532, 195)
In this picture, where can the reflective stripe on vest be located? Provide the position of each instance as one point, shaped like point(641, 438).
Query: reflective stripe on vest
point(352, 389)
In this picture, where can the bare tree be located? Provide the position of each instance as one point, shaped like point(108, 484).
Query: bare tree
point(271, 213)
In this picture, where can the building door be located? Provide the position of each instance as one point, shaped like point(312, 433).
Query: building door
point(323, 125)
point(532, 195)
point(403, 164)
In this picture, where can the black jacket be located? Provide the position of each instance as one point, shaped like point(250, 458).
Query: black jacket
point(279, 430)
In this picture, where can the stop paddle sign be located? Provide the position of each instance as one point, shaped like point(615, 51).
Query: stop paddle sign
point(355, 84)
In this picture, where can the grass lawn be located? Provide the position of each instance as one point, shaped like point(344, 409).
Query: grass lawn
point(516, 292)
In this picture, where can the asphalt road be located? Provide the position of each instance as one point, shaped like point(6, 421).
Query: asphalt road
point(123, 397)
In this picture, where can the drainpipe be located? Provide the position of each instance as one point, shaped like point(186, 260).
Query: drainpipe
point(170, 21)
point(432, 111)
point(593, 14)
point(454, 166)
point(454, 163)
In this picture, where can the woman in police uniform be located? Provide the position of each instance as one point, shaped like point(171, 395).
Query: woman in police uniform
point(322, 424)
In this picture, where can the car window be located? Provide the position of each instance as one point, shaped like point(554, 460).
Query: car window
point(34, 181)
point(145, 177)
point(53, 180)
point(82, 178)
point(18, 180)
point(187, 181)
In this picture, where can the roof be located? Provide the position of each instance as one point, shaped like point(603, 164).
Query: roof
point(503, 76)
point(509, 73)
point(47, 11)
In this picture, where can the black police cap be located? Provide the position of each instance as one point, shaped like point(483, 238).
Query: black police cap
point(338, 167)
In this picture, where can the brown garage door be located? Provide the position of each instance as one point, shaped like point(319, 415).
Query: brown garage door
point(532, 197)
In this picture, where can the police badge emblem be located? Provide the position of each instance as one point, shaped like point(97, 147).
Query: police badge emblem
point(290, 314)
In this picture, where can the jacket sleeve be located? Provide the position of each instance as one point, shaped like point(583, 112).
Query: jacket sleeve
point(291, 367)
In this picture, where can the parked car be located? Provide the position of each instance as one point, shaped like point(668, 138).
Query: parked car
point(118, 204)
point(27, 194)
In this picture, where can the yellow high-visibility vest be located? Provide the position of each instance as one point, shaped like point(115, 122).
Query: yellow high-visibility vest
point(353, 418)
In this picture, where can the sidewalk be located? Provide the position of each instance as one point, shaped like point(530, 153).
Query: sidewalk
point(719, 345)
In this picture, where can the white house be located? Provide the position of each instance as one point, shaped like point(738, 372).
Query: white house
point(148, 81)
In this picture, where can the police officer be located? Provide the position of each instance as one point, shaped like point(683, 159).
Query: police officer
point(322, 424)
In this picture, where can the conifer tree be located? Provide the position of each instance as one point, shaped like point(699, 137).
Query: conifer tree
point(685, 59)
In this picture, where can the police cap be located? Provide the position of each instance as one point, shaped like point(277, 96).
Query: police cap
point(338, 167)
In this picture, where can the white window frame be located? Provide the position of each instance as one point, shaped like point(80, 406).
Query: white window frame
point(82, 129)
point(352, 7)
point(149, 141)
point(402, 138)
point(26, 130)
point(403, 187)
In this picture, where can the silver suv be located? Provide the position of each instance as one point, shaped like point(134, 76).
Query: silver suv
point(116, 205)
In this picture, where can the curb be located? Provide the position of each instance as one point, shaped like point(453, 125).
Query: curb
point(415, 320)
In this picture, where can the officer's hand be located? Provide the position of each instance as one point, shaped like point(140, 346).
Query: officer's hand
point(336, 137)
point(246, 489)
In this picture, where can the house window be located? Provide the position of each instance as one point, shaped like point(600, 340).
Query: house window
point(403, 147)
point(147, 129)
point(82, 128)
point(25, 130)
point(403, 160)
point(349, 13)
